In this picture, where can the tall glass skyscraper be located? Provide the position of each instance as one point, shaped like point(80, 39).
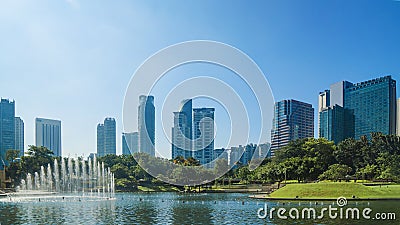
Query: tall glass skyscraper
point(354, 110)
point(203, 134)
point(48, 134)
point(292, 120)
point(7, 128)
point(106, 137)
point(182, 131)
point(146, 124)
point(100, 139)
point(130, 143)
point(19, 135)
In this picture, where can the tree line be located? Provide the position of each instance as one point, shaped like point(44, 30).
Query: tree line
point(310, 159)
point(304, 160)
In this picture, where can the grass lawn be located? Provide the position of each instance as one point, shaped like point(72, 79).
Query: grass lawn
point(335, 190)
point(159, 188)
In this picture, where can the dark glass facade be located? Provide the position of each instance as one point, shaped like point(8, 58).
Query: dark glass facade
point(292, 120)
point(7, 129)
point(146, 124)
point(374, 106)
point(130, 143)
point(336, 123)
point(366, 107)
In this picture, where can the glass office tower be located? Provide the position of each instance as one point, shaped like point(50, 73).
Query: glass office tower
point(292, 120)
point(354, 110)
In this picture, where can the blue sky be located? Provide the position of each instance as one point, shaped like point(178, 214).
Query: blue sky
point(72, 60)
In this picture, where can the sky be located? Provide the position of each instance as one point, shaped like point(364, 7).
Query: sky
point(73, 60)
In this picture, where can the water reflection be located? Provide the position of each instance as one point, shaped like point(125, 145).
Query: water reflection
point(170, 208)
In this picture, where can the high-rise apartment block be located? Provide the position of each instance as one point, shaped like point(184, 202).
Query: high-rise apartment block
point(203, 134)
point(106, 137)
point(182, 131)
point(19, 135)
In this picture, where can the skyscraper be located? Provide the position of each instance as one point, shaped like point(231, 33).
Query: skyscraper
point(398, 117)
point(146, 124)
point(106, 137)
point(182, 131)
point(354, 110)
point(19, 135)
point(48, 134)
point(292, 120)
point(100, 139)
point(130, 143)
point(7, 128)
point(203, 134)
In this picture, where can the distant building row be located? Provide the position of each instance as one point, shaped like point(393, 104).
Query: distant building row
point(141, 141)
point(47, 132)
point(346, 110)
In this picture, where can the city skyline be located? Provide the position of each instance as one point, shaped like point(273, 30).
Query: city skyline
point(330, 101)
point(76, 59)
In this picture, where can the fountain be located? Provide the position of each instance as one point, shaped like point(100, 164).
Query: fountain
point(76, 179)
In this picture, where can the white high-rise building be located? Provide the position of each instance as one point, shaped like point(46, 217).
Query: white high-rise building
point(203, 134)
point(48, 134)
point(19, 135)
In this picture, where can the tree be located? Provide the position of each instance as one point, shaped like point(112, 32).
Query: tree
point(11, 155)
point(221, 167)
point(192, 162)
point(368, 172)
point(14, 169)
point(335, 172)
point(349, 152)
point(243, 173)
point(179, 160)
point(120, 171)
point(37, 156)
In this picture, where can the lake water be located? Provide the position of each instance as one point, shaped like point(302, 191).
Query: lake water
point(172, 208)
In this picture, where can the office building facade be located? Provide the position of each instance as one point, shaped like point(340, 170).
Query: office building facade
point(355, 110)
point(130, 143)
point(146, 124)
point(19, 135)
point(182, 131)
point(7, 129)
point(398, 117)
point(203, 134)
point(48, 134)
point(292, 120)
point(106, 137)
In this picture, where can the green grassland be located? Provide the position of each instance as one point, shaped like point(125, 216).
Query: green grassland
point(331, 190)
